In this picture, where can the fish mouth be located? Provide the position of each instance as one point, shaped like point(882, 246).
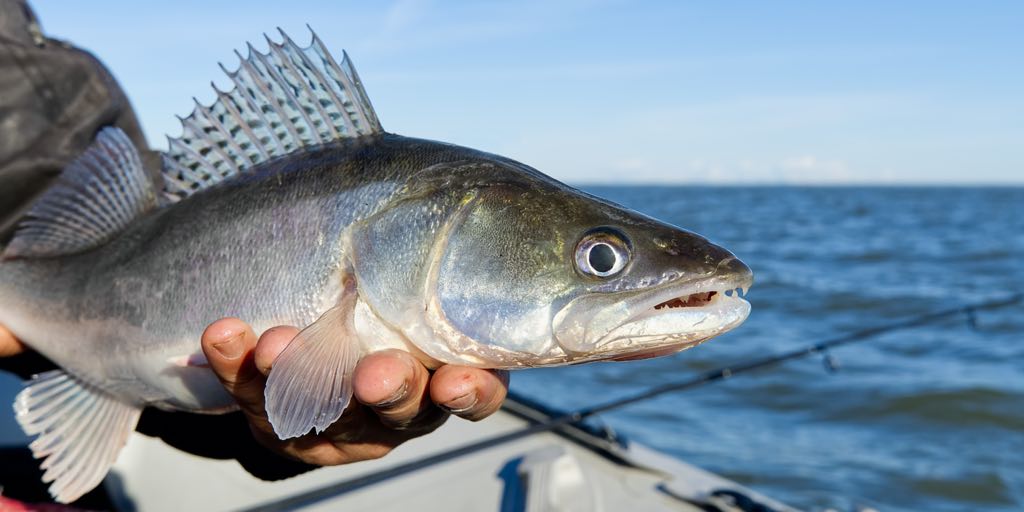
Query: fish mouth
point(692, 300)
point(678, 323)
point(660, 320)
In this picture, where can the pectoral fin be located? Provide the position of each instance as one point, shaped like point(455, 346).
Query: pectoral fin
point(79, 431)
point(310, 383)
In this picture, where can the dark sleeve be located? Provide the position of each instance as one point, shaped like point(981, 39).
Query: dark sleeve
point(54, 98)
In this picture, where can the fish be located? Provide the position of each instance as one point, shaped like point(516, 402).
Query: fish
point(286, 202)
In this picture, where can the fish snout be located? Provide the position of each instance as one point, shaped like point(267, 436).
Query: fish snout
point(693, 255)
point(734, 268)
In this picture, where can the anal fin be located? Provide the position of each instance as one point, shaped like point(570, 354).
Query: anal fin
point(310, 384)
point(79, 431)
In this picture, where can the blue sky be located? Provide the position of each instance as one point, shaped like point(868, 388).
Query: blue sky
point(610, 91)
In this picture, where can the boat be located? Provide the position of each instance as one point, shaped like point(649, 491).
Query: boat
point(514, 460)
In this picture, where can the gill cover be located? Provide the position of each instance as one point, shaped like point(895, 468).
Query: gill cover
point(506, 268)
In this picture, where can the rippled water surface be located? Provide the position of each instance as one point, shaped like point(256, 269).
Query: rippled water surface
point(924, 419)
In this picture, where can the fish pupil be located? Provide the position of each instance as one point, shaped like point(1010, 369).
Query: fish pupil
point(601, 258)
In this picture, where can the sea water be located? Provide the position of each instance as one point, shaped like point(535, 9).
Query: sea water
point(930, 418)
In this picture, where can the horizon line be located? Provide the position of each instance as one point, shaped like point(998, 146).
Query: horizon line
point(809, 184)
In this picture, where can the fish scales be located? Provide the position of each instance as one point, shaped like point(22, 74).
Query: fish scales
point(370, 241)
point(237, 250)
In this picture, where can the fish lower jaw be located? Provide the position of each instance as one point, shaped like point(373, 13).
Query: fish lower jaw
point(675, 325)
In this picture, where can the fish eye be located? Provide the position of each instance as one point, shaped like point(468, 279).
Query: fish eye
point(602, 252)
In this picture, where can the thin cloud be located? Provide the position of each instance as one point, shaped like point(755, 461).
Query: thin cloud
point(811, 169)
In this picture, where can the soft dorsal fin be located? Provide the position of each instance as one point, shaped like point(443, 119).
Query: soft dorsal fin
point(94, 199)
point(282, 100)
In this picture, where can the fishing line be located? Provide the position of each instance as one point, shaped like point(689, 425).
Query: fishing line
point(575, 417)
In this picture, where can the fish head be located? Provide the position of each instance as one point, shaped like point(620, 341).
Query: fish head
point(536, 273)
point(654, 289)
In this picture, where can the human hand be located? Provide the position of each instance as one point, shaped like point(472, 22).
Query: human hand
point(9, 345)
point(396, 398)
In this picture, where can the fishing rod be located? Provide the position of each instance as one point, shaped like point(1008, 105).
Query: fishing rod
point(821, 347)
point(578, 416)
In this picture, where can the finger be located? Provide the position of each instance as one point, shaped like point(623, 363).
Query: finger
point(9, 345)
point(228, 345)
point(394, 385)
point(470, 393)
point(271, 344)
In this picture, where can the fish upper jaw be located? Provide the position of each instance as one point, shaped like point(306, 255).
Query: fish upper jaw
point(659, 320)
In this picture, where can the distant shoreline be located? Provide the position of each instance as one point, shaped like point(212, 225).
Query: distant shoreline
point(799, 185)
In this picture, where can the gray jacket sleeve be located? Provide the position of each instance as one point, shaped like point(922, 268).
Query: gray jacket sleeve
point(53, 99)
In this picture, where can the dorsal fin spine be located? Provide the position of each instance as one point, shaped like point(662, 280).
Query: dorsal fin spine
point(367, 115)
point(229, 104)
point(238, 92)
point(338, 101)
point(195, 155)
point(228, 139)
point(319, 78)
point(246, 92)
point(339, 75)
point(177, 144)
point(174, 188)
point(282, 100)
point(190, 126)
point(274, 100)
point(270, 63)
point(198, 131)
point(275, 50)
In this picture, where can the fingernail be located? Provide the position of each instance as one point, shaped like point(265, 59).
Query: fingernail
point(231, 348)
point(395, 397)
point(461, 404)
point(410, 362)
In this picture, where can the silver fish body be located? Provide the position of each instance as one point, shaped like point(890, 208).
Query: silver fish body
point(369, 240)
point(272, 248)
point(267, 248)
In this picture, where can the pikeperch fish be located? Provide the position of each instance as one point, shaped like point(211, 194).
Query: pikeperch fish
point(285, 202)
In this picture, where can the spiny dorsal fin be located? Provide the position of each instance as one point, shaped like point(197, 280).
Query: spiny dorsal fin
point(94, 199)
point(282, 100)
